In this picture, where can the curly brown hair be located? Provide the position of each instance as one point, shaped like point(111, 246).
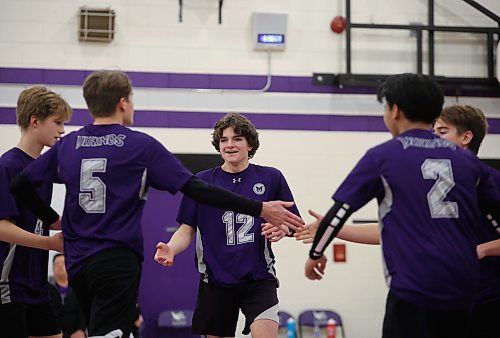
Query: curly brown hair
point(40, 102)
point(242, 126)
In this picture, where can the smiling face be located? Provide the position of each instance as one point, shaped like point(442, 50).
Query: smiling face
point(234, 148)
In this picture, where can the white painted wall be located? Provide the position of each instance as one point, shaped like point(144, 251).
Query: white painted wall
point(36, 33)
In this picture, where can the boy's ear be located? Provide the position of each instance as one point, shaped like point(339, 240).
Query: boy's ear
point(467, 138)
point(121, 104)
point(34, 121)
point(395, 112)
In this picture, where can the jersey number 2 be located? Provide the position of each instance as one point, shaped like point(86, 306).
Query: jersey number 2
point(441, 171)
point(241, 236)
point(92, 197)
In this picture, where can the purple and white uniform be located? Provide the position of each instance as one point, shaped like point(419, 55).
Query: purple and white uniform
point(230, 249)
point(24, 270)
point(107, 170)
point(489, 267)
point(428, 191)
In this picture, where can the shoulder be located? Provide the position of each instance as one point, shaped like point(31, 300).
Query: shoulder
point(208, 172)
point(13, 160)
point(271, 171)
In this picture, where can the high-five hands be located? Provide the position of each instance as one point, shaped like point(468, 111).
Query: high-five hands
point(273, 232)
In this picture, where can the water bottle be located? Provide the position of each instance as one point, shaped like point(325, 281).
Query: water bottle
point(291, 328)
point(331, 326)
point(316, 330)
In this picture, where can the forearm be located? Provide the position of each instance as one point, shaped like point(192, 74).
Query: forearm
point(181, 239)
point(11, 233)
point(24, 191)
point(363, 233)
point(490, 248)
point(217, 197)
point(328, 228)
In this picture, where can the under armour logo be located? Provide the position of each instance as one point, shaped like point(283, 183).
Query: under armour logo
point(237, 180)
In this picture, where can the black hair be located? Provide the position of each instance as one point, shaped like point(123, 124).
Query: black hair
point(418, 96)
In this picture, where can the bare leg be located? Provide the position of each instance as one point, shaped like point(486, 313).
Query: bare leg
point(264, 328)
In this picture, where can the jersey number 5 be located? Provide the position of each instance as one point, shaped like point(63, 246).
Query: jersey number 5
point(241, 236)
point(92, 197)
point(441, 171)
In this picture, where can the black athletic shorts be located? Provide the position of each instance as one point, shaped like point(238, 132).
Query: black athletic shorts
point(107, 288)
point(406, 320)
point(19, 320)
point(485, 321)
point(217, 308)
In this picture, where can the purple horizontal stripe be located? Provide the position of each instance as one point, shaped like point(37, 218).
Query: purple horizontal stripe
point(173, 119)
point(289, 84)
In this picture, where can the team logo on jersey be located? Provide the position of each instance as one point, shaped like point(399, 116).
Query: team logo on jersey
point(259, 188)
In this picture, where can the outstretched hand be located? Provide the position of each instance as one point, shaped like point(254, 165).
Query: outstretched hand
point(275, 212)
point(164, 254)
point(306, 235)
point(315, 269)
point(274, 233)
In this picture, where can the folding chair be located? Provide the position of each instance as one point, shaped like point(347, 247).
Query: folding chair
point(320, 316)
point(175, 323)
point(283, 318)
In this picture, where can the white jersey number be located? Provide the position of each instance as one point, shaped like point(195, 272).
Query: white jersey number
point(92, 197)
point(441, 171)
point(241, 236)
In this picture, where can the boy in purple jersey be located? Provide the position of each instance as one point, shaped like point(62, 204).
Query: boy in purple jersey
point(430, 193)
point(107, 169)
point(235, 260)
point(465, 126)
point(25, 308)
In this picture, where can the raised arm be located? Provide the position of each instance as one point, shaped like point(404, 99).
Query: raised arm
point(11, 233)
point(25, 191)
point(360, 233)
point(328, 228)
point(179, 242)
point(274, 212)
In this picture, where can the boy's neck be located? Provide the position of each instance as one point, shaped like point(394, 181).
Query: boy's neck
point(235, 168)
point(29, 145)
point(408, 125)
point(113, 119)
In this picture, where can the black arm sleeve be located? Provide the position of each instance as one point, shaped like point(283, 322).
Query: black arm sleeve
point(218, 197)
point(25, 192)
point(329, 228)
point(492, 212)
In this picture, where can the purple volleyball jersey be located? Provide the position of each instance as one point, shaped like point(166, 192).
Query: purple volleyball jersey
point(24, 270)
point(230, 249)
point(428, 191)
point(489, 267)
point(107, 170)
